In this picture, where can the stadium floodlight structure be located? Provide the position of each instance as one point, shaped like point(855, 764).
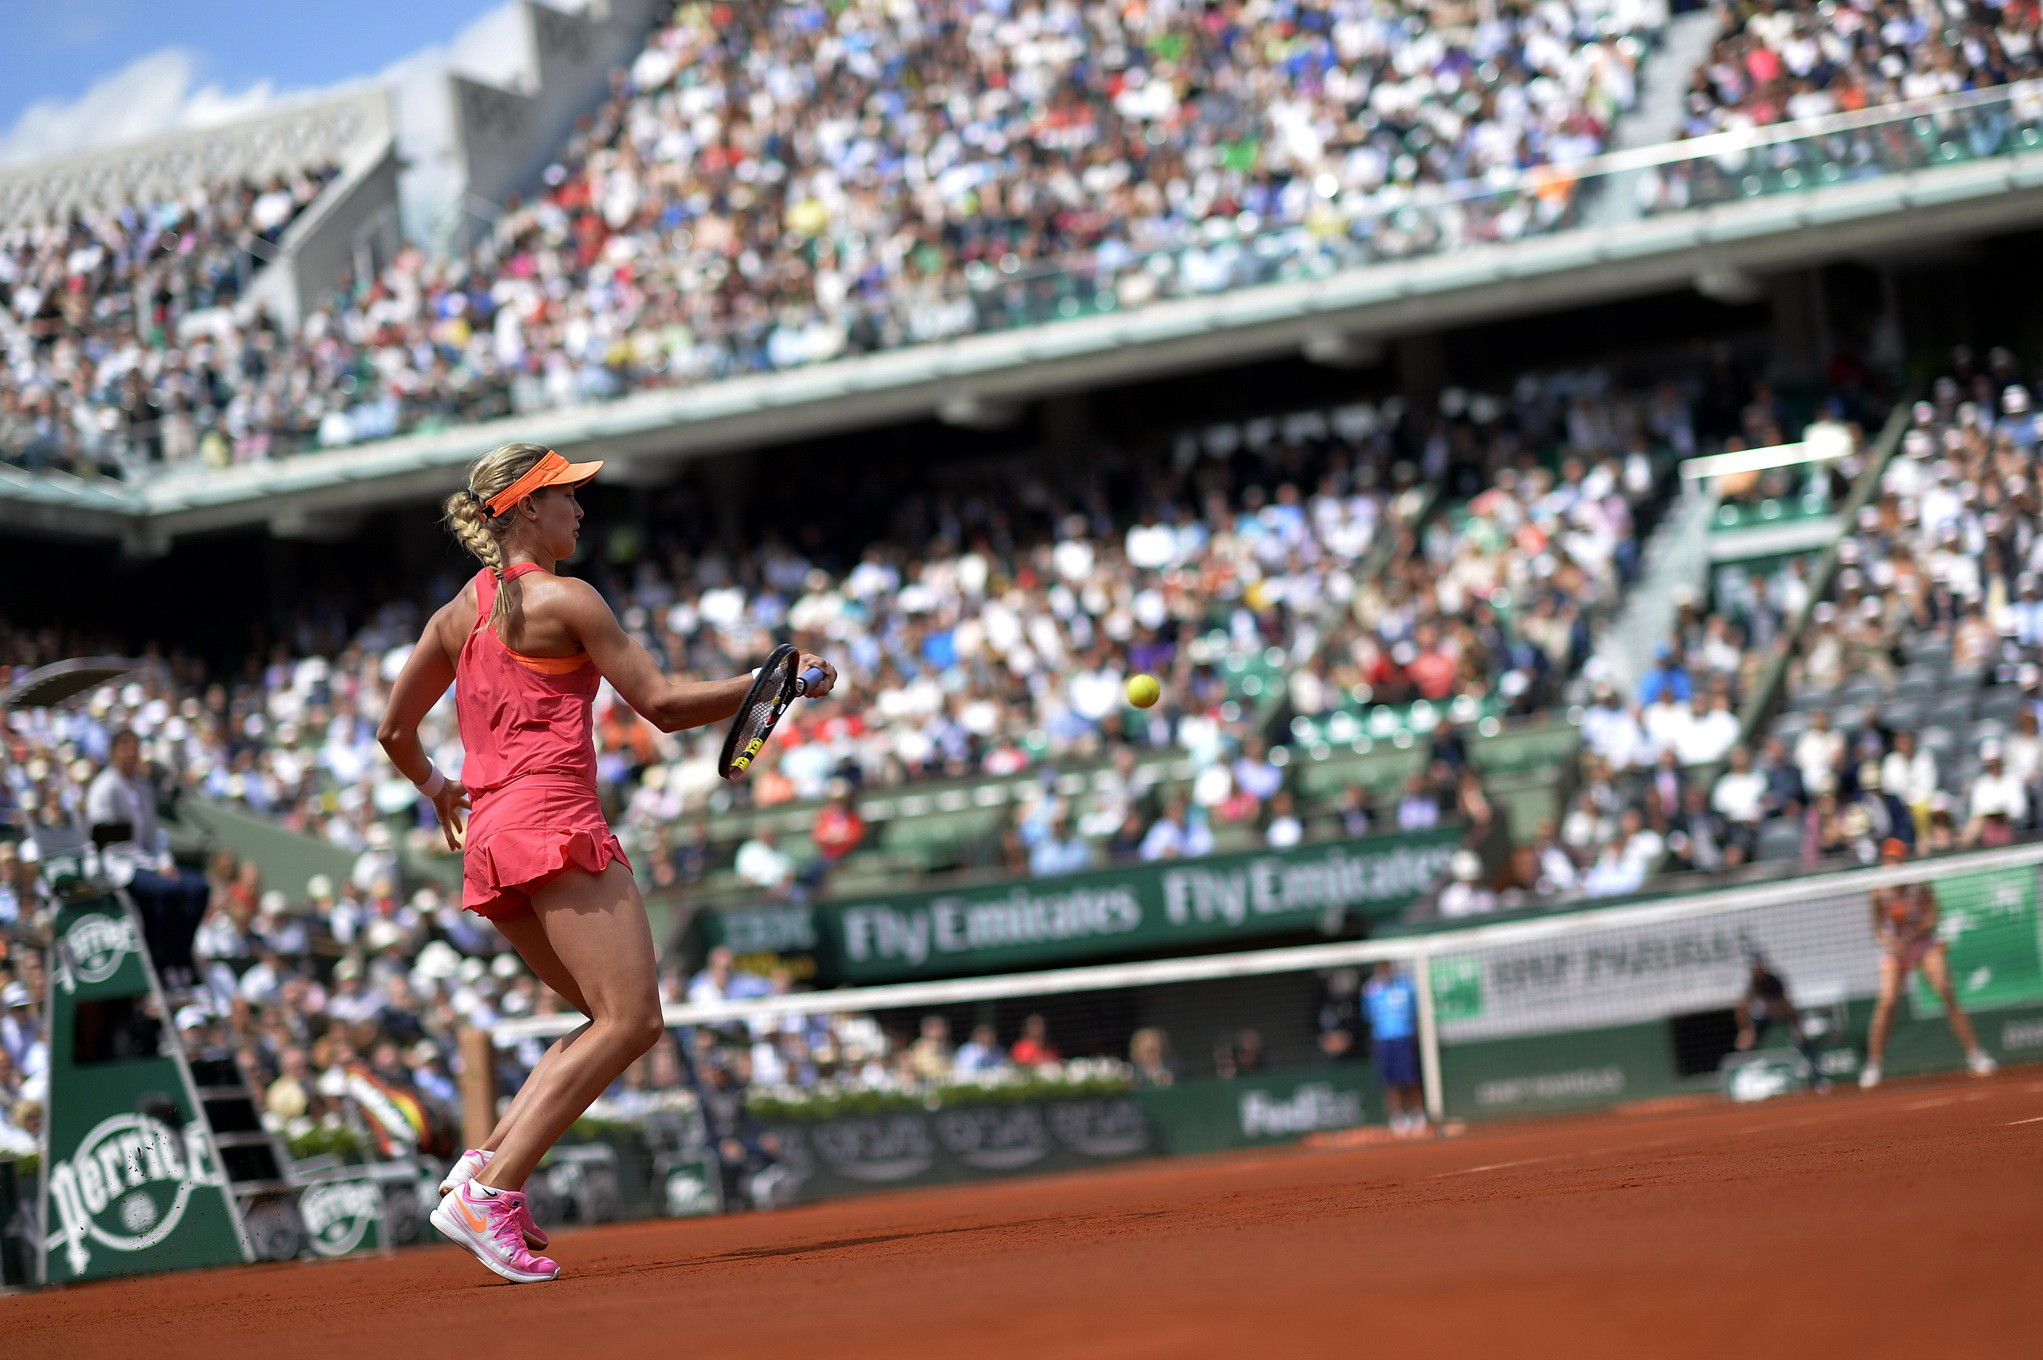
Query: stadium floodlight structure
point(1368, 266)
point(1563, 1010)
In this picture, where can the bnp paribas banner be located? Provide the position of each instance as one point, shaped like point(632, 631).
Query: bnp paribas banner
point(1077, 918)
point(133, 1181)
point(1821, 943)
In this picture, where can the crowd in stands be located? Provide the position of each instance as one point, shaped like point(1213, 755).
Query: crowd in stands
point(1911, 700)
point(364, 977)
point(1915, 693)
point(1003, 644)
point(1002, 648)
point(1777, 60)
point(118, 343)
point(771, 186)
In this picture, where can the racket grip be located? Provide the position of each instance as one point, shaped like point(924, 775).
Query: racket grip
point(808, 680)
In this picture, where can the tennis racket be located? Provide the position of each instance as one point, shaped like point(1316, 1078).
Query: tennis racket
point(773, 689)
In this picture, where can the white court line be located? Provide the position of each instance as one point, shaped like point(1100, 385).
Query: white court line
point(1932, 1104)
point(2037, 1120)
point(1495, 1166)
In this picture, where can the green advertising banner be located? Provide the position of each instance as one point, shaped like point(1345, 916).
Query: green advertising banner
point(344, 1213)
point(1213, 1114)
point(913, 1147)
point(1220, 900)
point(1988, 922)
point(133, 1182)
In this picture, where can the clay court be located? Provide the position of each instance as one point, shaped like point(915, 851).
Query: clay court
point(1903, 1223)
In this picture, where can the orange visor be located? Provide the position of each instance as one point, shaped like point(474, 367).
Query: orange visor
point(551, 470)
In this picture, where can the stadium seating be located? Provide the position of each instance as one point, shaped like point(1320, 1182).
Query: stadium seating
point(775, 186)
point(1381, 616)
point(121, 349)
point(1539, 496)
point(1797, 59)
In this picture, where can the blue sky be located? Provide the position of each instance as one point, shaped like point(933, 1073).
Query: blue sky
point(53, 52)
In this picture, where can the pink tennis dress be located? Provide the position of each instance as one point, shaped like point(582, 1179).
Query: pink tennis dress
point(529, 767)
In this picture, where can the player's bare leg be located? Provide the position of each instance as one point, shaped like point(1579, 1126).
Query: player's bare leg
point(597, 929)
point(1893, 972)
point(1936, 970)
point(528, 937)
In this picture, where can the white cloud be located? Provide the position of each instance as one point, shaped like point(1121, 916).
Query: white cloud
point(160, 93)
point(152, 95)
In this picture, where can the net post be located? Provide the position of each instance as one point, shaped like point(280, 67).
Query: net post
point(1429, 1036)
point(478, 1086)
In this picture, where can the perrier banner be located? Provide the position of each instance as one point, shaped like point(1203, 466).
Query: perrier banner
point(132, 1182)
point(1220, 900)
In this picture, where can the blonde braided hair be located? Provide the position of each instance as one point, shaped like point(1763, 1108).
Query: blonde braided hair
point(469, 520)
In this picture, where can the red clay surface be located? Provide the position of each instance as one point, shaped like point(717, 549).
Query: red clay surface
point(1907, 1223)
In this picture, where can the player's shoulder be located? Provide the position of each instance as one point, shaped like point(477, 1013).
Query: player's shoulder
point(569, 591)
point(458, 613)
point(568, 599)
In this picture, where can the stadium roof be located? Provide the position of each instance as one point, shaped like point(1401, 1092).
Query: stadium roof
point(320, 493)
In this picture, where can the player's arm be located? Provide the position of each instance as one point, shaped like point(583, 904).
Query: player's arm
point(667, 703)
point(427, 673)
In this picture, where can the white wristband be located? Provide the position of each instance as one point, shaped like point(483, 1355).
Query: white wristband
point(431, 785)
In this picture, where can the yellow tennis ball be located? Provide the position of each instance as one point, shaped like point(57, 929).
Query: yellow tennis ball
point(1143, 690)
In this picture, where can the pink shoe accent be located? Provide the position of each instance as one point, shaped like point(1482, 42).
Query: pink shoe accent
point(467, 1167)
point(489, 1224)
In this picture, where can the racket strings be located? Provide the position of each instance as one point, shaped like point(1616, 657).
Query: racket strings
point(771, 692)
point(759, 717)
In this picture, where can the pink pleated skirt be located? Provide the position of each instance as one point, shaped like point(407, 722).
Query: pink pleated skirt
point(527, 832)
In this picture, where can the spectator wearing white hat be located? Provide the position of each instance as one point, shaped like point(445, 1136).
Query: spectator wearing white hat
point(350, 1001)
point(280, 928)
point(1710, 734)
point(763, 864)
point(1466, 894)
point(21, 1037)
point(2017, 423)
point(1999, 806)
point(1910, 774)
point(1818, 754)
point(1888, 815)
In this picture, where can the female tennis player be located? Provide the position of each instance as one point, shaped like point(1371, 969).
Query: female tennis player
point(1905, 923)
point(525, 649)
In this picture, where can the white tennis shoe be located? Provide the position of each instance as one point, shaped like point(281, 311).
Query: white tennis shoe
point(466, 1168)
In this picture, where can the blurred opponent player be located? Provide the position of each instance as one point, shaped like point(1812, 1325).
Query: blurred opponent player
point(1905, 923)
point(525, 650)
